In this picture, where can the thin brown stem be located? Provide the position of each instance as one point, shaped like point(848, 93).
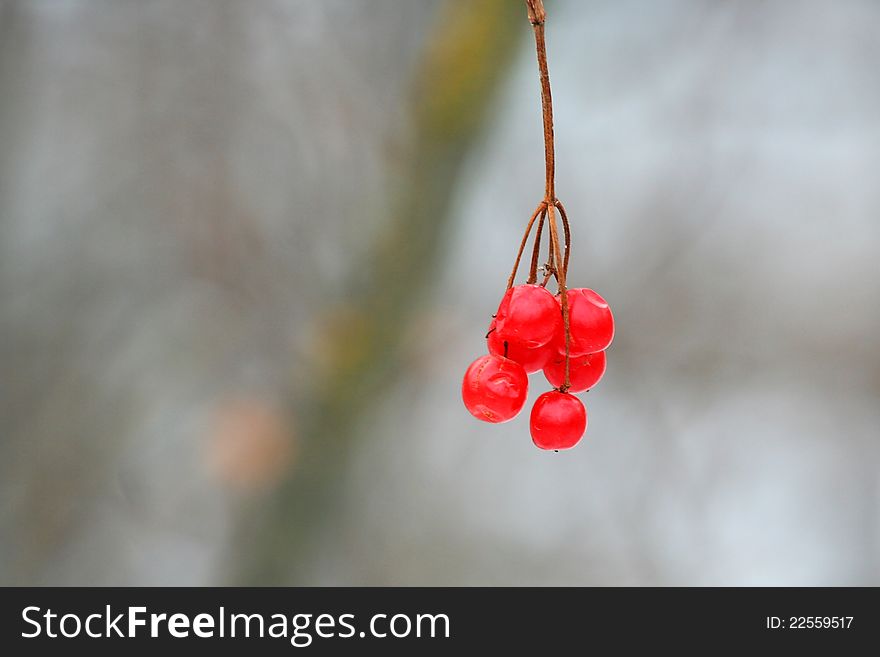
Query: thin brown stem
point(563, 291)
point(541, 207)
point(550, 267)
point(537, 16)
point(567, 232)
point(536, 250)
point(558, 262)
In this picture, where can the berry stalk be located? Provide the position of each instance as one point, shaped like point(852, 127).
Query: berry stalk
point(537, 16)
point(558, 262)
point(541, 210)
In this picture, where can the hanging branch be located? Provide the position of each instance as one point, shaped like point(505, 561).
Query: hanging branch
point(557, 262)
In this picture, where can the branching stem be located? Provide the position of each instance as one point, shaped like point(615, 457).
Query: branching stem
point(542, 207)
point(558, 262)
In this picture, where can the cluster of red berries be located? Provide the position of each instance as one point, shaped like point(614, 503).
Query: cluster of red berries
point(527, 334)
point(566, 335)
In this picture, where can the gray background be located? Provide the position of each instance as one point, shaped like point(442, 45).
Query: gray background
point(189, 195)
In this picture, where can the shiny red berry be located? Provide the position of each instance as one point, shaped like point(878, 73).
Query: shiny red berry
point(590, 321)
point(532, 360)
point(528, 317)
point(558, 420)
point(583, 371)
point(494, 388)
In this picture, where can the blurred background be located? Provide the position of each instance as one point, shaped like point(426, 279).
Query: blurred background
point(247, 250)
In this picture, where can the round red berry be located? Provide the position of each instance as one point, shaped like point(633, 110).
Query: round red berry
point(590, 321)
point(494, 388)
point(583, 371)
point(558, 420)
point(528, 317)
point(532, 360)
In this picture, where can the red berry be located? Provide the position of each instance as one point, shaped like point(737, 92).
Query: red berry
point(590, 321)
point(532, 360)
point(494, 389)
point(583, 371)
point(558, 420)
point(528, 317)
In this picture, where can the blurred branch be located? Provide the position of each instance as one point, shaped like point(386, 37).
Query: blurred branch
point(461, 65)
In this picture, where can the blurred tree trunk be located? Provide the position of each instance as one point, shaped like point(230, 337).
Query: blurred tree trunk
point(462, 64)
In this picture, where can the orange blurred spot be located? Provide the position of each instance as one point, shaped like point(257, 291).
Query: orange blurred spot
point(250, 445)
